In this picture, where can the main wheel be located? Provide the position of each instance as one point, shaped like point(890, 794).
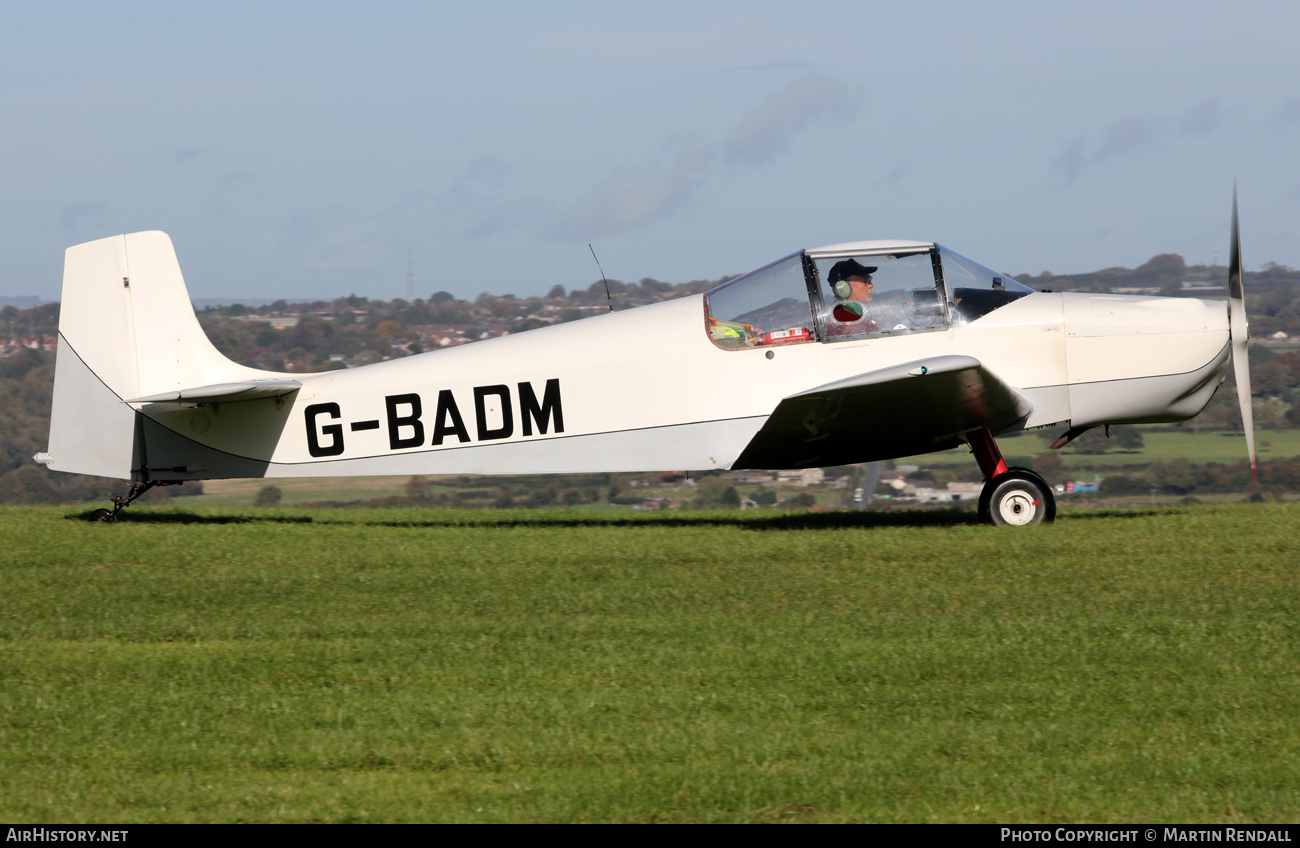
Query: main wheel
point(986, 494)
point(1017, 498)
point(105, 515)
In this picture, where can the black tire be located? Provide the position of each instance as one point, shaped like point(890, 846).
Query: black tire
point(1017, 498)
point(987, 492)
point(103, 515)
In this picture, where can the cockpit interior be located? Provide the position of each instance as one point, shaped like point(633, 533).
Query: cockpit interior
point(854, 291)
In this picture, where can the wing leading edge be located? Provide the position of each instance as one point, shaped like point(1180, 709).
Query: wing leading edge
point(914, 408)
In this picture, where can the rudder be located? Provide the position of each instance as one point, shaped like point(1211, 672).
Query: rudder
point(126, 330)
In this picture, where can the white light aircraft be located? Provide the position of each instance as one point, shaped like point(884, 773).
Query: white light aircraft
point(843, 354)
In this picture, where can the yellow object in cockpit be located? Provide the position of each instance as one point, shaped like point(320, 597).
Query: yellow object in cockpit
point(728, 329)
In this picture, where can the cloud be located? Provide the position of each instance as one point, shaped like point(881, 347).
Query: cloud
point(473, 202)
point(189, 154)
point(233, 191)
point(796, 65)
point(335, 240)
point(502, 216)
point(1070, 161)
point(478, 178)
point(898, 177)
point(1288, 117)
point(1133, 135)
point(72, 215)
point(630, 197)
point(1202, 118)
point(1126, 135)
point(767, 130)
point(1108, 229)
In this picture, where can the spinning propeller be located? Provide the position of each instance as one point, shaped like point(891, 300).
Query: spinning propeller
point(1238, 332)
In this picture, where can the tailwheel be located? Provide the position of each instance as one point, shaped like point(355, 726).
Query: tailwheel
point(1016, 498)
point(109, 516)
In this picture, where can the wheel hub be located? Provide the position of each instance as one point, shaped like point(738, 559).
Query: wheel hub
point(1018, 508)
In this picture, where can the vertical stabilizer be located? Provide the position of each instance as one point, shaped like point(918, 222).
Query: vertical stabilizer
point(126, 330)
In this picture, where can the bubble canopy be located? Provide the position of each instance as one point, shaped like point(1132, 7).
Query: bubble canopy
point(854, 290)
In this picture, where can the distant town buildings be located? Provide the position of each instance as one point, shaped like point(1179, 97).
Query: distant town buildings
point(10, 346)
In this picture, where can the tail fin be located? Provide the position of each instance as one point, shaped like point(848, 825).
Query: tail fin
point(126, 330)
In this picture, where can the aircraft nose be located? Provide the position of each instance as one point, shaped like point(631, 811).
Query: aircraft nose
point(1142, 359)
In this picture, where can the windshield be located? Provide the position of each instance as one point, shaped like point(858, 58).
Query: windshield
point(879, 294)
point(974, 290)
point(765, 307)
point(801, 298)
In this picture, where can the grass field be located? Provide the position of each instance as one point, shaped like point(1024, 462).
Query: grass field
point(300, 490)
point(1203, 447)
point(390, 665)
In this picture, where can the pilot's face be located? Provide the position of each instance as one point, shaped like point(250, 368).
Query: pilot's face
point(861, 288)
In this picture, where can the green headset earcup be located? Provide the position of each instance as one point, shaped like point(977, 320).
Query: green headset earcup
point(842, 289)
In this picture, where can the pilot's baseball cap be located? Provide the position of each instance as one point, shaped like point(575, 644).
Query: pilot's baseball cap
point(846, 268)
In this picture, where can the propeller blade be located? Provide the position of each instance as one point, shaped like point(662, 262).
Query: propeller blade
point(1238, 332)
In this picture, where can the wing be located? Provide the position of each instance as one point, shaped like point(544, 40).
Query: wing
point(914, 408)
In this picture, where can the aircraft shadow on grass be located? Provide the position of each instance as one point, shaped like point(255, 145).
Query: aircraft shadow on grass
point(805, 521)
point(190, 518)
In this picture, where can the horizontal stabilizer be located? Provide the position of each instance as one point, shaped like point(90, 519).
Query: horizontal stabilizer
point(224, 392)
point(913, 408)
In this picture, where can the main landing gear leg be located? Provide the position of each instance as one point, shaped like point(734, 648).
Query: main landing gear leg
point(119, 503)
point(1011, 496)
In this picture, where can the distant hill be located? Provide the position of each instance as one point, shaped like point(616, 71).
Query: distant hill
point(201, 303)
point(23, 301)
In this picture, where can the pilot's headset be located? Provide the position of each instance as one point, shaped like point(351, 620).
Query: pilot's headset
point(841, 271)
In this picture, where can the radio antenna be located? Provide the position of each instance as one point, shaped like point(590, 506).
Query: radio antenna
point(608, 299)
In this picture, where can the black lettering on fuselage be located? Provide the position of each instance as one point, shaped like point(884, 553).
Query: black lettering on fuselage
point(448, 421)
point(548, 411)
point(494, 418)
point(507, 428)
point(334, 431)
point(396, 423)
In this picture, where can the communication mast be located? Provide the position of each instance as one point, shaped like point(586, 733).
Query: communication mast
point(410, 275)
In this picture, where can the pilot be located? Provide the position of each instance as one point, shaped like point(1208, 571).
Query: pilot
point(851, 283)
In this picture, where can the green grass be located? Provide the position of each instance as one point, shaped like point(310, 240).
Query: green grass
point(300, 490)
point(386, 665)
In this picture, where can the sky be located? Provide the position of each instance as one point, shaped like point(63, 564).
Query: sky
point(313, 150)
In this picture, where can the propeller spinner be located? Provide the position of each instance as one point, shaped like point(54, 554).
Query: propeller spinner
point(1238, 332)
